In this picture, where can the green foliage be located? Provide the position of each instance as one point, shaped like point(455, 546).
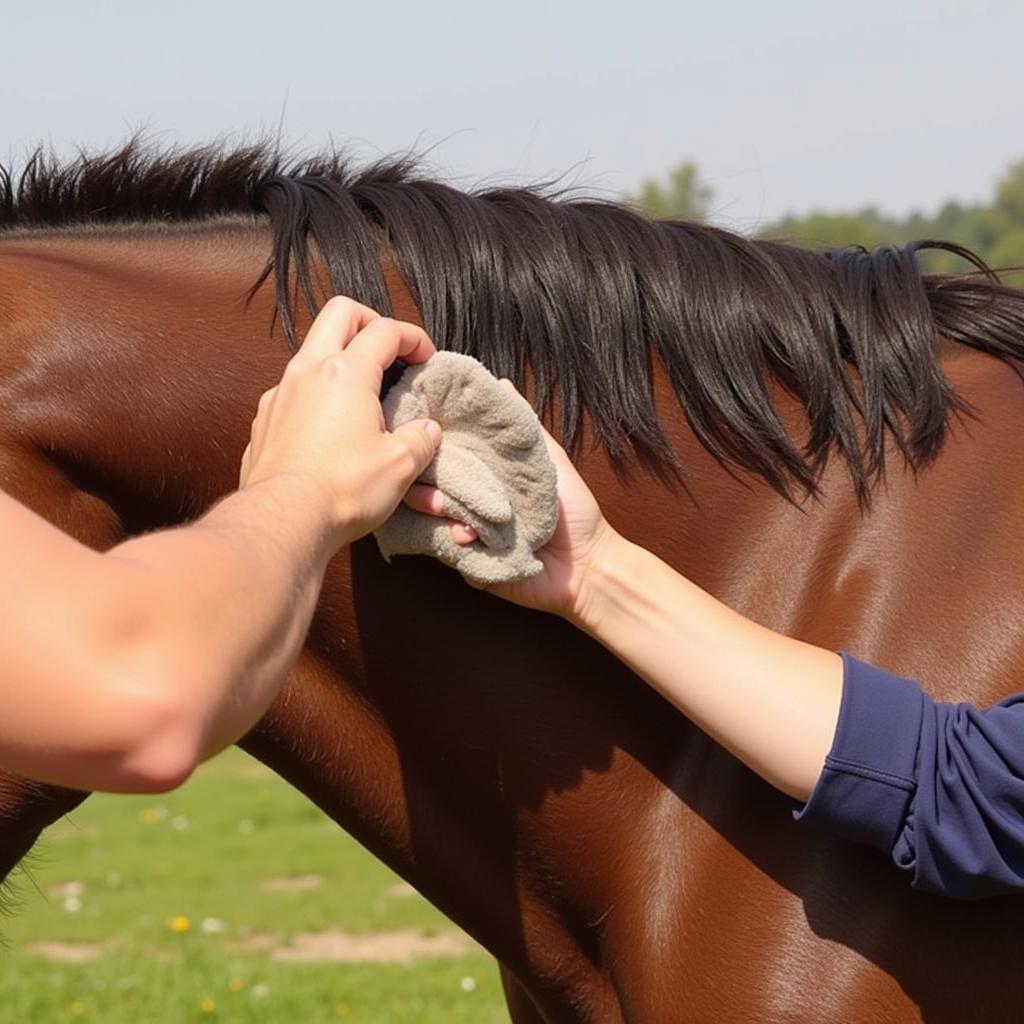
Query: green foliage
point(177, 902)
point(818, 230)
point(1010, 194)
point(682, 197)
point(993, 230)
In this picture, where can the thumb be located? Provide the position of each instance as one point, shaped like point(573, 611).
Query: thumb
point(421, 439)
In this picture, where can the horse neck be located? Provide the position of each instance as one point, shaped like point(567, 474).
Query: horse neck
point(129, 368)
point(134, 362)
point(478, 749)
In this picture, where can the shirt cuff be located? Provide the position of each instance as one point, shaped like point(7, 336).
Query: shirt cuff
point(869, 776)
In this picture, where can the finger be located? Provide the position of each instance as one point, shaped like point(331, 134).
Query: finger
point(463, 534)
point(419, 438)
point(430, 501)
point(426, 499)
point(340, 320)
point(380, 343)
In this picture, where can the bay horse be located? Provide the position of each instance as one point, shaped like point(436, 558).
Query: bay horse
point(830, 442)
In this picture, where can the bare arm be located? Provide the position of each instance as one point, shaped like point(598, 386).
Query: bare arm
point(121, 671)
point(934, 786)
point(770, 700)
point(871, 756)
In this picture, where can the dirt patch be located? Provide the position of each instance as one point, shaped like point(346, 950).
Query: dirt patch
point(65, 890)
point(66, 952)
point(400, 891)
point(397, 947)
point(257, 942)
point(293, 883)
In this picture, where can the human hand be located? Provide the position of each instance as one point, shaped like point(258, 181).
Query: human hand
point(323, 421)
point(579, 540)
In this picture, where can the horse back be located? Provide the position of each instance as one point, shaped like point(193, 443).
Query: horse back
point(619, 863)
point(924, 581)
point(605, 832)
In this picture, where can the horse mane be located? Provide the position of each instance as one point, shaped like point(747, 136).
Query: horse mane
point(578, 294)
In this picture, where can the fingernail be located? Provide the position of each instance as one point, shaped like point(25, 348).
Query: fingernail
point(433, 430)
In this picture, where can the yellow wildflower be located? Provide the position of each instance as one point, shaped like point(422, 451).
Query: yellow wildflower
point(342, 1009)
point(179, 924)
point(208, 1005)
point(235, 984)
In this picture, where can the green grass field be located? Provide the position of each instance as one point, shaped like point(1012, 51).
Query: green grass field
point(231, 899)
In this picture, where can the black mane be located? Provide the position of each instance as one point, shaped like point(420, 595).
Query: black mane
point(580, 294)
point(141, 183)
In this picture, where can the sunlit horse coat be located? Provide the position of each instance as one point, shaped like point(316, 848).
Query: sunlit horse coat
point(830, 442)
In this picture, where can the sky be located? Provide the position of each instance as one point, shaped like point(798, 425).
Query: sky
point(786, 107)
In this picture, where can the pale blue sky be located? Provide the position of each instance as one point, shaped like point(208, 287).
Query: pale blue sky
point(785, 106)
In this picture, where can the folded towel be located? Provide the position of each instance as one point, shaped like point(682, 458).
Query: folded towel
point(492, 465)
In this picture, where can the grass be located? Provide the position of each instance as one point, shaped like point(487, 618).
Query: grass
point(169, 897)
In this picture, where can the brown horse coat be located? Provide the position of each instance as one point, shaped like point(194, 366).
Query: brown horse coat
point(620, 865)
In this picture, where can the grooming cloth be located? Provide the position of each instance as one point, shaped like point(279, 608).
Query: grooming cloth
point(492, 465)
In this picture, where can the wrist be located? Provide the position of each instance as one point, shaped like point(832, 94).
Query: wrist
point(610, 563)
point(298, 504)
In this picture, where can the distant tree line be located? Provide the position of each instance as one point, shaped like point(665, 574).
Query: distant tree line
point(994, 230)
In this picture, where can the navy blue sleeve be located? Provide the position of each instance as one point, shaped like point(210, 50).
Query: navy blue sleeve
point(939, 787)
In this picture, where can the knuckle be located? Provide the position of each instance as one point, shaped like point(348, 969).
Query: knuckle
point(334, 367)
point(340, 304)
point(295, 366)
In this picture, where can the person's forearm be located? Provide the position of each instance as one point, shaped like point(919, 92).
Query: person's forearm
point(770, 700)
point(122, 670)
point(144, 660)
point(225, 603)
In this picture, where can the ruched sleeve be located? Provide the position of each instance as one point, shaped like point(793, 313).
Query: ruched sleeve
point(937, 786)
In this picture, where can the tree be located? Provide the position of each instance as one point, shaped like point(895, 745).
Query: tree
point(993, 230)
point(1010, 194)
point(829, 230)
point(682, 197)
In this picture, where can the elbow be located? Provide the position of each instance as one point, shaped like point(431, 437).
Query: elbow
point(148, 725)
point(158, 766)
point(157, 740)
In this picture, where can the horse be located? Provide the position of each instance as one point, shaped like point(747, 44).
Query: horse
point(828, 441)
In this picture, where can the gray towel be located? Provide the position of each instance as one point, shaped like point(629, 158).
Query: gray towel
point(492, 464)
